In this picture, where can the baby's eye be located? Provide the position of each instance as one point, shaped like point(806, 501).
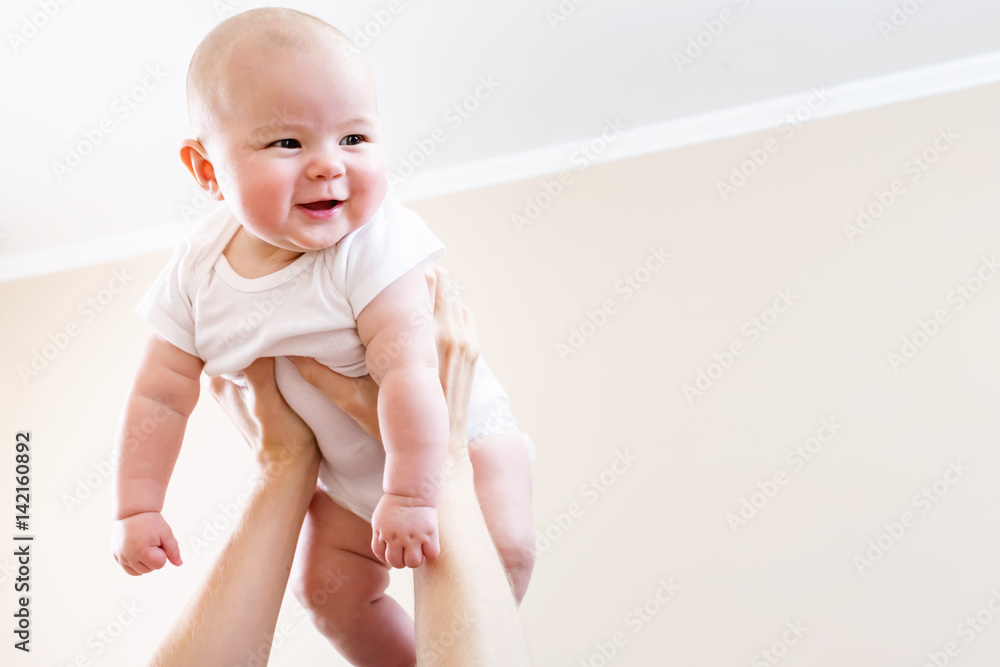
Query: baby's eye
point(352, 140)
point(286, 143)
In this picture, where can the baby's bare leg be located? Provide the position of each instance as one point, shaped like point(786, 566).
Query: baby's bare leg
point(502, 477)
point(337, 578)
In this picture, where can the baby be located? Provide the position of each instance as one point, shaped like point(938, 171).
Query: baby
point(312, 257)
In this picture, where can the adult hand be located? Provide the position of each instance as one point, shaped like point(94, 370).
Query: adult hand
point(235, 609)
point(276, 435)
point(358, 397)
point(458, 350)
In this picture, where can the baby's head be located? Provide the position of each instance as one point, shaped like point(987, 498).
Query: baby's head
point(283, 110)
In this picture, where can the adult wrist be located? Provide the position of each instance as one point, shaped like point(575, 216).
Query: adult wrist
point(287, 462)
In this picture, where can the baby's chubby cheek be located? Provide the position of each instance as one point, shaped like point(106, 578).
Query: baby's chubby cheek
point(371, 194)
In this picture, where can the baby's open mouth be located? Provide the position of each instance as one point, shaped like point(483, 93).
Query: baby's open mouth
point(323, 205)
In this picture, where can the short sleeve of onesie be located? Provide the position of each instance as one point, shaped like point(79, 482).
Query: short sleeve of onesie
point(167, 306)
point(370, 258)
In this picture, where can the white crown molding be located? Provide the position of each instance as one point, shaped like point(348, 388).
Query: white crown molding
point(844, 98)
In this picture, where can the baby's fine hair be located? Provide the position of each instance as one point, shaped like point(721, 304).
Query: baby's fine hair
point(266, 27)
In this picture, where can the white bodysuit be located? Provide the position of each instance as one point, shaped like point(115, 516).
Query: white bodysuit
point(309, 308)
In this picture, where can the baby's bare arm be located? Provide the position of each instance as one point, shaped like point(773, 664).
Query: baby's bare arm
point(164, 392)
point(402, 358)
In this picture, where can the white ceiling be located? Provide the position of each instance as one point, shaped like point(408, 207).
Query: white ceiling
point(558, 85)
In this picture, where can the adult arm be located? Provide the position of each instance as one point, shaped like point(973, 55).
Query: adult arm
point(236, 608)
point(465, 610)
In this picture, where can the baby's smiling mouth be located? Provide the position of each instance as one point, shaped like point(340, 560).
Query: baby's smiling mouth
point(323, 205)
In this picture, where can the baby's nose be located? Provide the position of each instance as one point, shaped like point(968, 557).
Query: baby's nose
point(326, 165)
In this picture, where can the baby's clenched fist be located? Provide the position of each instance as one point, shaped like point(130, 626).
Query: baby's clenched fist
point(404, 535)
point(144, 542)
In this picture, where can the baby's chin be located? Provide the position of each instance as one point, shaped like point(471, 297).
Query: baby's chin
point(318, 243)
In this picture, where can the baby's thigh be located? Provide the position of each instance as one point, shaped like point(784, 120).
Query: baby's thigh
point(334, 569)
point(502, 476)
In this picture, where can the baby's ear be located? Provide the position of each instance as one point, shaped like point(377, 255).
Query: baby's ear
point(195, 158)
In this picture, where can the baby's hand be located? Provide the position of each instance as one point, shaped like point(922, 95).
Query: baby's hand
point(404, 535)
point(143, 542)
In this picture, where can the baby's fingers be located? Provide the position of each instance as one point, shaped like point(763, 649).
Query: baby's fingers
point(432, 548)
point(378, 546)
point(413, 556)
point(394, 554)
point(152, 558)
point(128, 569)
point(134, 567)
point(170, 547)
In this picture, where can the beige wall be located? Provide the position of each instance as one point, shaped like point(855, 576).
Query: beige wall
point(664, 515)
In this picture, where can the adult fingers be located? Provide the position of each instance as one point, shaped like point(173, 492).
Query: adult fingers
point(336, 387)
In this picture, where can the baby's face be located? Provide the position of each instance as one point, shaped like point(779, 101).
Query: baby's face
point(299, 153)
